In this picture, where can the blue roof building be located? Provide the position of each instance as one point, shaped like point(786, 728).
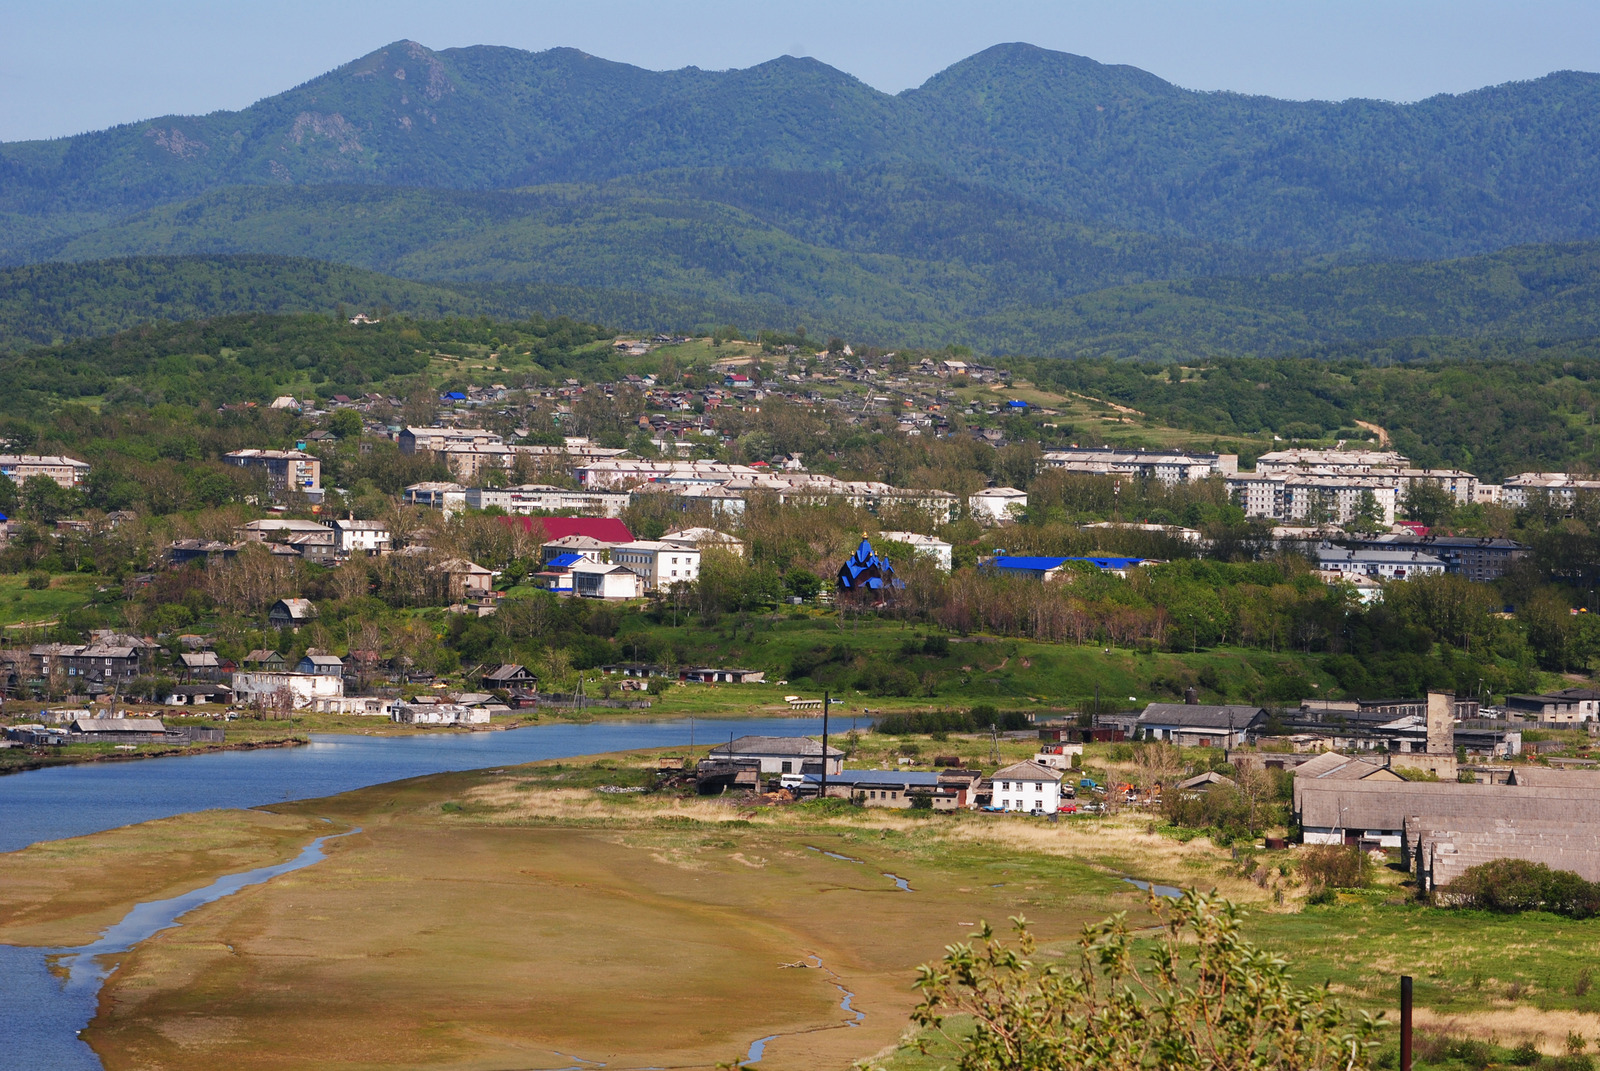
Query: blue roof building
point(1045, 568)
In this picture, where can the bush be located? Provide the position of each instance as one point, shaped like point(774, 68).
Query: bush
point(1329, 866)
point(1321, 895)
point(1511, 886)
point(38, 581)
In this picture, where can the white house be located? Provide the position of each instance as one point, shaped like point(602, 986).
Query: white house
point(992, 505)
point(933, 548)
point(1026, 786)
point(599, 581)
point(299, 690)
point(366, 537)
point(659, 564)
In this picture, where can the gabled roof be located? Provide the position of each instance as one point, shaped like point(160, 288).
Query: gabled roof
point(606, 529)
point(297, 608)
point(564, 561)
point(1332, 766)
point(508, 671)
point(778, 745)
point(1196, 716)
point(1025, 771)
point(118, 725)
point(1210, 777)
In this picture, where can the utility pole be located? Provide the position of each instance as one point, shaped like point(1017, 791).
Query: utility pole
point(823, 793)
point(1405, 1022)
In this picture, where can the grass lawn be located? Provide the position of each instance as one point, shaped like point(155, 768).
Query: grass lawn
point(813, 650)
point(22, 605)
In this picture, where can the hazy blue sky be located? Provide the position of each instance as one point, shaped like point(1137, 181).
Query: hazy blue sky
point(73, 65)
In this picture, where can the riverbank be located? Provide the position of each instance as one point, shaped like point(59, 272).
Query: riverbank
point(20, 760)
point(505, 917)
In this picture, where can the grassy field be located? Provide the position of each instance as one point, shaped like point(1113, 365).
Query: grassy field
point(1010, 673)
point(22, 605)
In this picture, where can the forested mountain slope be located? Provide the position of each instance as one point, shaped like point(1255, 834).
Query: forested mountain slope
point(1107, 145)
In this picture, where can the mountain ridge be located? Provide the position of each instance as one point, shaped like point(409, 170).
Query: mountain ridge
point(1098, 144)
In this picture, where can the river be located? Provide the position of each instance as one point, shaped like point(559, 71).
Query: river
point(70, 801)
point(48, 1009)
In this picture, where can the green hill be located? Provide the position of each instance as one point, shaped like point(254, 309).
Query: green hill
point(1103, 145)
point(687, 264)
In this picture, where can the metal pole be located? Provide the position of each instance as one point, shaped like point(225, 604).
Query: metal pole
point(823, 793)
point(1405, 1022)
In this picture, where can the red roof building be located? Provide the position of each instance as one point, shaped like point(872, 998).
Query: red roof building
point(605, 529)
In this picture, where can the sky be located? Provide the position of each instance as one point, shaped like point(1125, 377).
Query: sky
point(67, 66)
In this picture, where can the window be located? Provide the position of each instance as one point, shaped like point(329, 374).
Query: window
point(788, 767)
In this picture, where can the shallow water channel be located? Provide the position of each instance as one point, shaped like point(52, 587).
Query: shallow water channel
point(52, 992)
point(49, 995)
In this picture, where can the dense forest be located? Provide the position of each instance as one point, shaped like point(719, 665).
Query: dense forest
point(902, 281)
point(1110, 145)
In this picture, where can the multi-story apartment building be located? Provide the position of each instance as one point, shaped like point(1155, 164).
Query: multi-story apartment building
point(1167, 466)
point(1559, 488)
point(1300, 497)
point(659, 565)
point(66, 471)
point(1350, 462)
point(288, 471)
point(434, 439)
point(543, 498)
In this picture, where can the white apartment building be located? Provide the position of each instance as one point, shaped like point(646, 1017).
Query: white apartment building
point(1560, 488)
point(287, 470)
point(1377, 564)
point(1167, 466)
point(933, 548)
point(658, 563)
point(434, 439)
point(440, 494)
point(1296, 497)
point(1350, 462)
point(1026, 787)
point(619, 472)
point(705, 539)
point(543, 498)
point(470, 463)
point(995, 505)
point(66, 471)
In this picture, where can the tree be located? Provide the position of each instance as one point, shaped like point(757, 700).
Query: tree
point(1428, 503)
point(1367, 517)
point(346, 423)
point(1206, 999)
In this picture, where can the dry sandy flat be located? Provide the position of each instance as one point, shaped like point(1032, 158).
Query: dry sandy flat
point(65, 892)
point(536, 928)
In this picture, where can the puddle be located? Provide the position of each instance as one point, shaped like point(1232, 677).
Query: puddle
point(903, 884)
point(1170, 891)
